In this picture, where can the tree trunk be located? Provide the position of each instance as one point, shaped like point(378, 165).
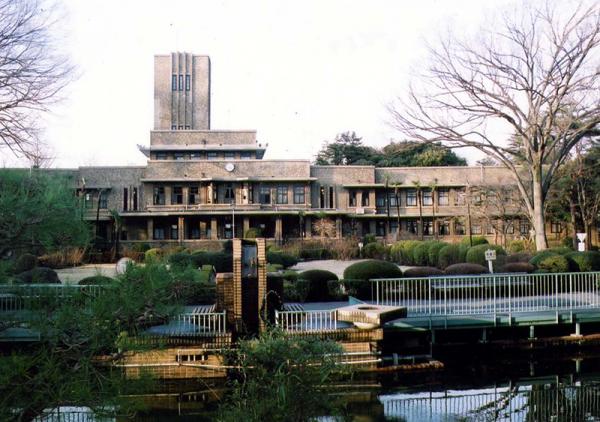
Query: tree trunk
point(573, 212)
point(539, 228)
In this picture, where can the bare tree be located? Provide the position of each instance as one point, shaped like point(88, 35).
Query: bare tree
point(32, 72)
point(536, 76)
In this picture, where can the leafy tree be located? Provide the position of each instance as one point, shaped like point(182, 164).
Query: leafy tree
point(39, 212)
point(347, 149)
point(535, 74)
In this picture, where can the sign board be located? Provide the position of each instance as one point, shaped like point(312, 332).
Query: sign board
point(490, 255)
point(122, 265)
point(581, 245)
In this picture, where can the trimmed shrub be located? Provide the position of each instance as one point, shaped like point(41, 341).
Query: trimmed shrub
point(295, 291)
point(517, 267)
point(95, 280)
point(318, 290)
point(434, 253)
point(519, 245)
point(281, 258)
point(334, 288)
point(221, 261)
point(517, 257)
point(554, 264)
point(360, 289)
point(189, 292)
point(25, 262)
point(584, 261)
point(372, 268)
point(474, 241)
point(463, 248)
point(375, 250)
point(422, 272)
point(39, 275)
point(253, 233)
point(153, 254)
point(369, 238)
point(561, 250)
point(421, 254)
point(290, 275)
point(476, 254)
point(273, 268)
point(180, 260)
point(402, 252)
point(448, 255)
point(540, 256)
point(465, 269)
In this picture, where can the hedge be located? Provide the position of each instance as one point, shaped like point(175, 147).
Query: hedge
point(554, 264)
point(465, 269)
point(448, 255)
point(318, 290)
point(540, 256)
point(476, 254)
point(421, 254)
point(95, 280)
point(422, 272)
point(39, 275)
point(287, 260)
point(434, 253)
point(180, 259)
point(375, 250)
point(295, 291)
point(25, 262)
point(584, 261)
point(189, 292)
point(517, 267)
point(221, 261)
point(402, 251)
point(518, 257)
point(373, 268)
point(518, 245)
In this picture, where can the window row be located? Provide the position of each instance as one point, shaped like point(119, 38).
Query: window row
point(200, 155)
point(177, 83)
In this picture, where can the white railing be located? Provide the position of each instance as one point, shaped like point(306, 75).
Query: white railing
point(490, 294)
point(27, 296)
point(197, 324)
point(306, 321)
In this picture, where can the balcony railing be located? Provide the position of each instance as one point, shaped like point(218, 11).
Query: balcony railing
point(306, 321)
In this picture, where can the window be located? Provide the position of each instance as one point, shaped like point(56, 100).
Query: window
point(211, 156)
point(229, 194)
point(380, 200)
point(161, 155)
point(322, 197)
point(331, 197)
point(490, 228)
point(229, 155)
point(174, 83)
point(459, 228)
point(411, 198)
point(187, 82)
point(393, 227)
point(352, 199)
point(556, 227)
point(245, 155)
point(476, 228)
point(103, 201)
point(195, 155)
point(427, 196)
point(524, 227)
point(179, 156)
point(174, 232)
point(364, 202)
point(264, 195)
point(159, 233)
point(380, 228)
point(412, 226)
point(177, 195)
point(180, 127)
point(134, 199)
point(125, 199)
point(181, 82)
point(392, 198)
point(443, 197)
point(282, 194)
point(159, 195)
point(193, 197)
point(187, 127)
point(89, 200)
point(509, 227)
point(428, 227)
point(460, 198)
point(298, 194)
point(443, 228)
point(173, 127)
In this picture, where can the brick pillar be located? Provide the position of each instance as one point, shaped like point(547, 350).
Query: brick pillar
point(150, 228)
point(338, 228)
point(278, 228)
point(262, 278)
point(245, 225)
point(237, 283)
point(214, 235)
point(180, 229)
point(308, 227)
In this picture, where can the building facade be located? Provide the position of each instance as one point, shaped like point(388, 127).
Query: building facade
point(203, 184)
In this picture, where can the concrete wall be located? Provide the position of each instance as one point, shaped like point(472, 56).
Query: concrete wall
point(203, 137)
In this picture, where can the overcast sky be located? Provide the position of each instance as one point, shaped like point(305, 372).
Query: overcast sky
point(298, 72)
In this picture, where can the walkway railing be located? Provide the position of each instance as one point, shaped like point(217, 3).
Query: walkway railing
point(31, 296)
point(194, 324)
point(490, 293)
point(306, 321)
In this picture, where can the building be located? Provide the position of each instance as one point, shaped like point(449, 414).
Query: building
point(204, 184)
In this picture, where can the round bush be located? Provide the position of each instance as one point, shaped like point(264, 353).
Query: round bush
point(474, 241)
point(180, 259)
point(318, 290)
point(372, 268)
point(465, 269)
point(518, 257)
point(561, 250)
point(281, 258)
point(253, 233)
point(584, 261)
point(448, 255)
point(434, 253)
point(39, 275)
point(25, 262)
point(421, 254)
point(375, 250)
point(290, 275)
point(402, 252)
point(463, 248)
point(540, 256)
point(295, 291)
point(554, 264)
point(476, 254)
point(518, 245)
point(95, 280)
point(221, 261)
point(422, 272)
point(517, 267)
point(153, 254)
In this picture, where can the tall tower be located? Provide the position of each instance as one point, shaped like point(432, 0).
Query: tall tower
point(181, 92)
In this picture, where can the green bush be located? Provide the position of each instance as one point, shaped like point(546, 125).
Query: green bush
point(360, 289)
point(191, 292)
point(180, 260)
point(281, 258)
point(421, 254)
point(402, 252)
point(140, 247)
point(476, 254)
point(253, 233)
point(517, 267)
point(519, 245)
point(318, 290)
point(95, 280)
point(153, 254)
point(314, 252)
point(540, 256)
point(554, 264)
point(369, 238)
point(295, 291)
point(448, 255)
point(375, 250)
point(373, 268)
point(38, 275)
point(434, 253)
point(290, 275)
point(474, 241)
point(273, 268)
point(463, 248)
point(335, 292)
point(465, 269)
point(221, 261)
point(422, 272)
point(25, 262)
point(561, 250)
point(584, 261)
point(518, 257)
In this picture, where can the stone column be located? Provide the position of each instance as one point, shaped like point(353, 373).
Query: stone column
point(308, 227)
point(214, 235)
point(358, 198)
point(168, 195)
point(278, 228)
point(185, 191)
point(245, 225)
point(338, 228)
point(202, 229)
point(209, 193)
point(150, 228)
point(180, 229)
point(307, 197)
point(372, 198)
